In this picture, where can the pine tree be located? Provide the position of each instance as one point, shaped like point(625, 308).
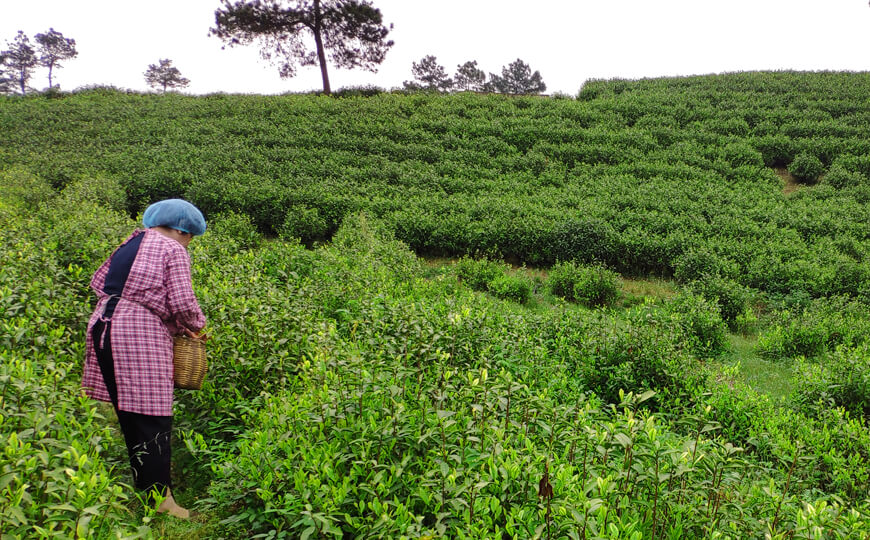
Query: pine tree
point(469, 77)
point(53, 48)
point(19, 59)
point(429, 75)
point(352, 31)
point(517, 78)
point(165, 76)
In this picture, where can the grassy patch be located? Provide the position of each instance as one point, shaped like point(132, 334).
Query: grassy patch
point(636, 290)
point(771, 378)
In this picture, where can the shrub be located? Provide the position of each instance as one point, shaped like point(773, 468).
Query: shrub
point(105, 191)
point(237, 228)
point(511, 287)
point(776, 150)
point(478, 274)
point(366, 90)
point(591, 285)
point(741, 154)
point(840, 177)
point(806, 167)
point(733, 298)
point(598, 286)
point(80, 232)
point(637, 359)
point(304, 223)
point(841, 379)
point(700, 264)
point(19, 186)
point(824, 324)
point(584, 240)
point(701, 322)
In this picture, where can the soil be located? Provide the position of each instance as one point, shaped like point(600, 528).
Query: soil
point(791, 185)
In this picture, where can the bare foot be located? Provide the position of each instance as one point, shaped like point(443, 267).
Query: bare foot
point(170, 507)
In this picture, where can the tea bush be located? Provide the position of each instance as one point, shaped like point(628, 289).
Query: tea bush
point(57, 469)
point(479, 274)
point(702, 265)
point(512, 287)
point(19, 186)
point(634, 184)
point(806, 167)
point(235, 228)
point(840, 177)
point(839, 379)
point(733, 299)
point(701, 320)
point(591, 285)
point(304, 223)
point(810, 331)
point(350, 395)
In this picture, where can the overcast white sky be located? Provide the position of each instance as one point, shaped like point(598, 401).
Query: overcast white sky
point(567, 41)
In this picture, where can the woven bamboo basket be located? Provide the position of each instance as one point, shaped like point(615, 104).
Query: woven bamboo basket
point(189, 362)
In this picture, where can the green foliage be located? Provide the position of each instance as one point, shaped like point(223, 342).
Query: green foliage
point(701, 320)
point(367, 90)
point(840, 177)
point(733, 299)
point(776, 150)
point(701, 265)
point(479, 273)
point(79, 230)
point(511, 287)
point(18, 186)
point(104, 191)
point(812, 330)
point(635, 178)
point(304, 223)
point(235, 228)
point(57, 466)
point(352, 393)
point(591, 285)
point(839, 379)
point(806, 167)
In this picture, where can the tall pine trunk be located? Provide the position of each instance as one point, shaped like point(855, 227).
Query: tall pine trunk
point(321, 54)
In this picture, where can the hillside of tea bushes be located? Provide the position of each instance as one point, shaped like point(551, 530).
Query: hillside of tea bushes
point(652, 176)
point(357, 392)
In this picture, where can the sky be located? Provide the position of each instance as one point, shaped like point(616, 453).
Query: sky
point(569, 42)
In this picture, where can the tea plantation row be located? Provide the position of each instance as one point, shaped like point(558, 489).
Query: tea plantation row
point(355, 392)
point(647, 177)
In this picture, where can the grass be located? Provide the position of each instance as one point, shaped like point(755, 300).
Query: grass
point(744, 365)
point(635, 291)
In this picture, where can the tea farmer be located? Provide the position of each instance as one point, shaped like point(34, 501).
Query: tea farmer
point(145, 298)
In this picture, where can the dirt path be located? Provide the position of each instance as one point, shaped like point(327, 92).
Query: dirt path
point(791, 185)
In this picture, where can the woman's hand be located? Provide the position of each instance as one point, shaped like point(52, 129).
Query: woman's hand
point(202, 336)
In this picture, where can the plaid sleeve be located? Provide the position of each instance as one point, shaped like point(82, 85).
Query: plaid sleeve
point(180, 297)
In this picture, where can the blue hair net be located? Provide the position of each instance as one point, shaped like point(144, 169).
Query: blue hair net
point(176, 214)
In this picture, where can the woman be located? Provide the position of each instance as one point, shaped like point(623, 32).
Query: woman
point(145, 297)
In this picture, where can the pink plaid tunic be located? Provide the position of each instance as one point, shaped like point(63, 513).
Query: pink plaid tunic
point(157, 302)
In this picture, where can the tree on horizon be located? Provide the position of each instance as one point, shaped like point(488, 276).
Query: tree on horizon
point(165, 76)
point(351, 32)
point(517, 78)
point(6, 80)
point(19, 59)
point(429, 75)
point(53, 48)
point(469, 77)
